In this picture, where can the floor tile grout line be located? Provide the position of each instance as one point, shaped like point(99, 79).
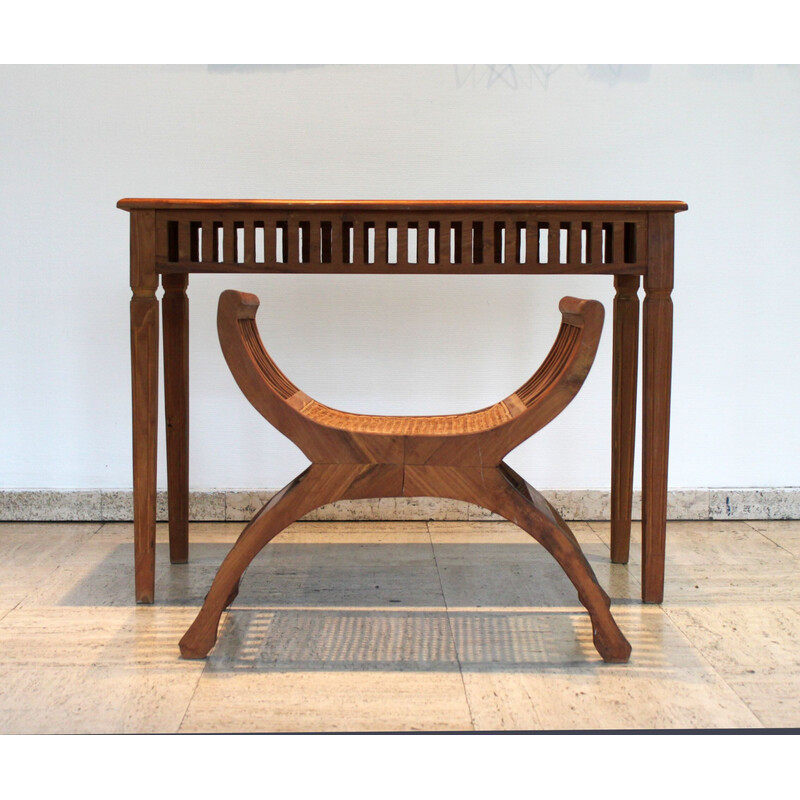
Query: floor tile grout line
point(191, 699)
point(13, 609)
point(54, 570)
point(450, 626)
point(602, 541)
point(708, 663)
point(761, 533)
point(695, 648)
point(744, 702)
point(196, 687)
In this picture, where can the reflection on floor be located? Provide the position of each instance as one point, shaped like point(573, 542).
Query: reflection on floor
point(384, 626)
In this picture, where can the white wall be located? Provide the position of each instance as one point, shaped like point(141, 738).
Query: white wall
point(73, 140)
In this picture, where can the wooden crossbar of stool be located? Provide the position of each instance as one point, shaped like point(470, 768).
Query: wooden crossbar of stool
point(456, 456)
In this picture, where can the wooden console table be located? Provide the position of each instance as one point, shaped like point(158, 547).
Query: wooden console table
point(172, 238)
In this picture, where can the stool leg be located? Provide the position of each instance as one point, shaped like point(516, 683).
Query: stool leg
point(518, 501)
point(317, 486)
point(501, 490)
point(309, 490)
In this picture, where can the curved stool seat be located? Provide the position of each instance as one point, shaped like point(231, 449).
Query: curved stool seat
point(447, 425)
point(458, 456)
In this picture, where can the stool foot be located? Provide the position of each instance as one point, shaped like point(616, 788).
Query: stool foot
point(317, 486)
point(502, 491)
point(546, 525)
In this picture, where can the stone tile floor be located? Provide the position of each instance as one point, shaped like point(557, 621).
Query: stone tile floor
point(397, 626)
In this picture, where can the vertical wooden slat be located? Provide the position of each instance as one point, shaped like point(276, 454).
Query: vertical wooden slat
point(618, 242)
point(269, 241)
point(161, 240)
point(228, 242)
point(183, 240)
point(554, 243)
point(423, 242)
point(464, 242)
point(640, 240)
point(290, 237)
point(489, 244)
point(438, 228)
point(381, 243)
point(337, 251)
point(207, 250)
point(596, 240)
point(249, 242)
point(574, 243)
point(402, 242)
point(511, 242)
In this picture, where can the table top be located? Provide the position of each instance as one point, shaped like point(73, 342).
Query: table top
point(177, 204)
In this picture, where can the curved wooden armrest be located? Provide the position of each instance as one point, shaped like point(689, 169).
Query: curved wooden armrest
point(251, 365)
point(562, 373)
point(531, 407)
point(573, 351)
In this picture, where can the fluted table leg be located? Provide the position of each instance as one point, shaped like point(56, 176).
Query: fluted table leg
point(144, 384)
point(175, 315)
point(623, 420)
point(656, 388)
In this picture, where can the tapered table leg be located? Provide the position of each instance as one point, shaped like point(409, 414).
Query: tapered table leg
point(656, 389)
point(623, 403)
point(144, 384)
point(175, 317)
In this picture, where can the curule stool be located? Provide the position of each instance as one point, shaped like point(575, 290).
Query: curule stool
point(456, 456)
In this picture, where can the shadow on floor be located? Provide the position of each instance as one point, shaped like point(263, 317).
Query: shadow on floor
point(373, 606)
point(289, 640)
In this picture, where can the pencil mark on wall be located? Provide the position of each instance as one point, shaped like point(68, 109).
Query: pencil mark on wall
point(504, 72)
point(513, 76)
point(530, 76)
point(226, 68)
point(542, 72)
point(613, 74)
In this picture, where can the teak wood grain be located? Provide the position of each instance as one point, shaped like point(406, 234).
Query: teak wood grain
point(629, 240)
point(459, 456)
